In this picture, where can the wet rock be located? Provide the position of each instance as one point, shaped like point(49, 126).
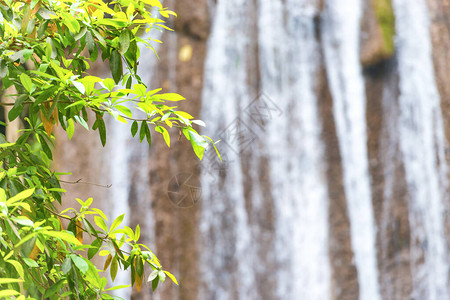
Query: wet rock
point(377, 32)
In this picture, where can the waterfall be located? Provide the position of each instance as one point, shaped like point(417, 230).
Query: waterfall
point(268, 226)
point(288, 137)
point(224, 223)
point(422, 143)
point(341, 50)
point(289, 61)
point(120, 183)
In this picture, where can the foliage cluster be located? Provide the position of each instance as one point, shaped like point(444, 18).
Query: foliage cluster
point(46, 50)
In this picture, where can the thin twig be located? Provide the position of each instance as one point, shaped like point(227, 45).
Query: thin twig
point(86, 182)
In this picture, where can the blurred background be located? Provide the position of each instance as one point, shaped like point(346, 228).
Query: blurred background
point(334, 120)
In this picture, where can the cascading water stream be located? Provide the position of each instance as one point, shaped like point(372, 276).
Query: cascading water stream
point(422, 144)
point(118, 193)
point(341, 49)
point(297, 258)
point(289, 62)
point(299, 195)
point(224, 223)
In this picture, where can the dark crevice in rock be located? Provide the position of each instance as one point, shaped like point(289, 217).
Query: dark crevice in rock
point(380, 69)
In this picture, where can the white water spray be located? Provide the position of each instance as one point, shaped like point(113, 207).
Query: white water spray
point(422, 143)
point(341, 49)
point(289, 63)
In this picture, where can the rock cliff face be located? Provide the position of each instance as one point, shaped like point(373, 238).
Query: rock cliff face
point(335, 181)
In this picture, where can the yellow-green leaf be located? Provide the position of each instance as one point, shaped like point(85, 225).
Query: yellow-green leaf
point(20, 196)
point(165, 134)
point(26, 81)
point(171, 277)
point(6, 293)
point(63, 235)
point(9, 280)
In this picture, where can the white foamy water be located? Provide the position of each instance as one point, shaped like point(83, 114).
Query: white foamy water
point(224, 223)
point(422, 144)
point(290, 247)
point(289, 61)
point(290, 139)
point(341, 49)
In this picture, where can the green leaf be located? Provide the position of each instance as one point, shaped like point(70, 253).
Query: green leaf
point(169, 97)
point(82, 122)
point(117, 222)
point(214, 145)
point(124, 41)
point(82, 33)
point(89, 83)
point(114, 268)
point(108, 83)
point(156, 3)
point(80, 263)
point(149, 137)
point(140, 89)
point(125, 110)
point(71, 23)
point(15, 112)
point(92, 275)
point(66, 265)
point(143, 131)
point(6, 145)
point(95, 247)
point(171, 277)
point(90, 42)
point(165, 134)
point(22, 220)
point(131, 57)
point(100, 212)
point(54, 288)
point(26, 82)
point(20, 196)
point(63, 235)
point(6, 293)
point(45, 146)
point(199, 144)
point(155, 283)
point(118, 287)
point(115, 64)
point(134, 128)
point(79, 86)
point(139, 266)
point(100, 223)
point(184, 115)
point(9, 280)
point(70, 128)
point(99, 37)
point(198, 139)
point(18, 266)
point(30, 263)
point(17, 108)
point(101, 129)
point(137, 232)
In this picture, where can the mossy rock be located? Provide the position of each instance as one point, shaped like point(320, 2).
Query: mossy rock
point(380, 29)
point(386, 19)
